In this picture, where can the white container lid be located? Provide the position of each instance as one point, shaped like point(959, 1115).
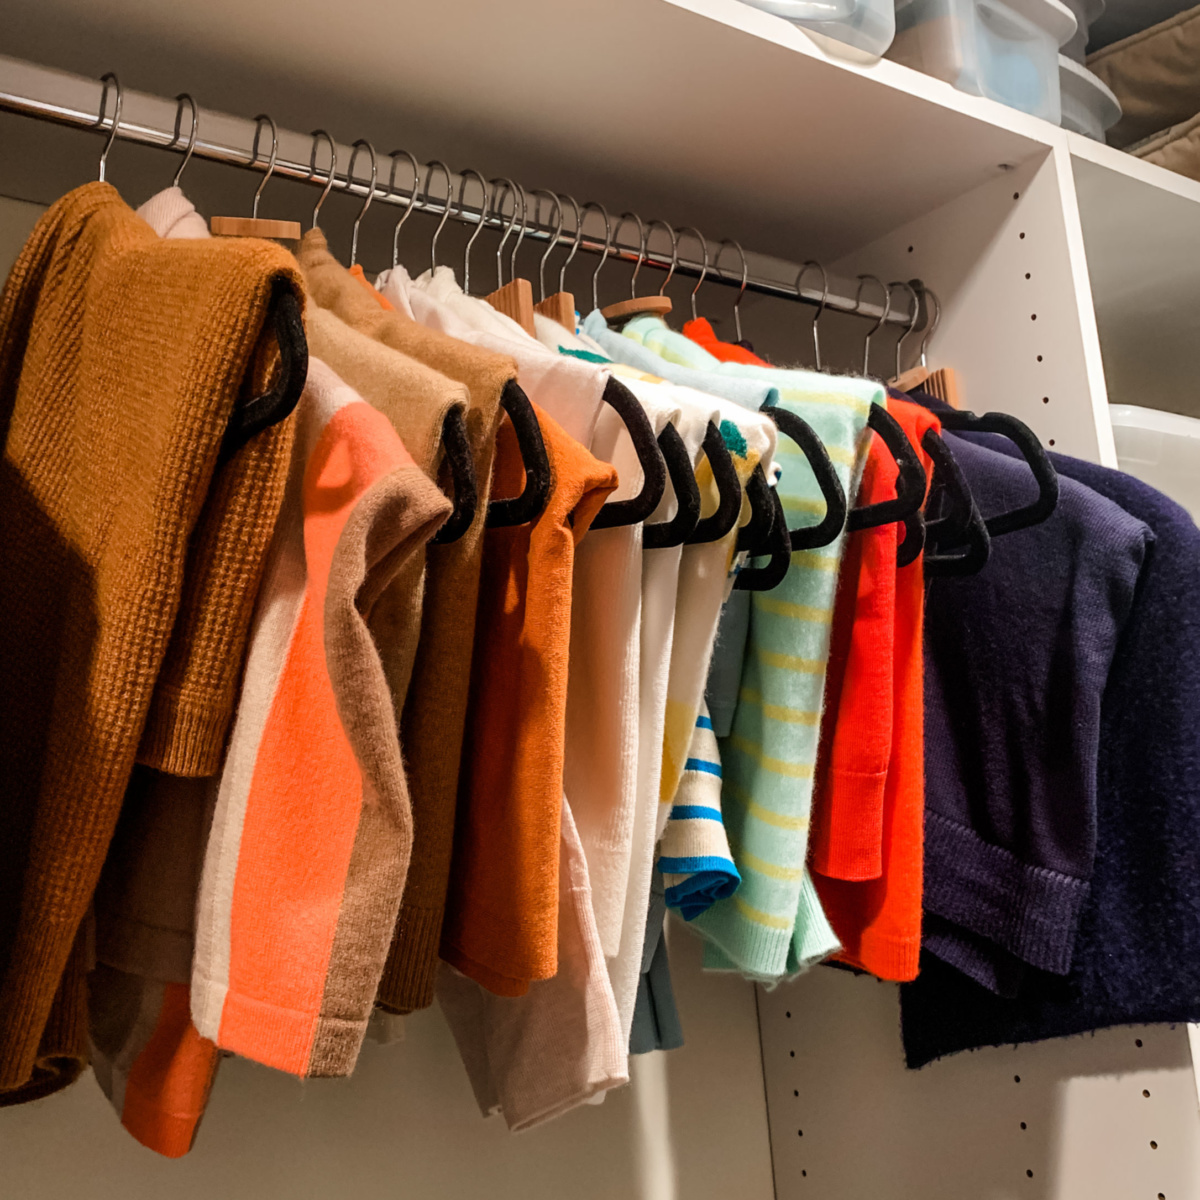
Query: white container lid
point(1076, 82)
point(807, 10)
point(1161, 449)
point(1051, 15)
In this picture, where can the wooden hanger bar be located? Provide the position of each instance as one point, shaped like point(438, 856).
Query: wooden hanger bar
point(515, 300)
point(658, 305)
point(260, 227)
point(560, 307)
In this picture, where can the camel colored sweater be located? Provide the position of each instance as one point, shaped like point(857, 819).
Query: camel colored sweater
point(502, 908)
point(121, 359)
point(435, 713)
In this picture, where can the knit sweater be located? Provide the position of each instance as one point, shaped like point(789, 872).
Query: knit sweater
point(312, 834)
point(501, 925)
point(1137, 950)
point(121, 359)
point(435, 713)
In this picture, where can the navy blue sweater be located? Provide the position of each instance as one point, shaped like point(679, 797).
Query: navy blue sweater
point(1137, 950)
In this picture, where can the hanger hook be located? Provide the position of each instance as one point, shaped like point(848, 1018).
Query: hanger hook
point(191, 142)
point(112, 136)
point(604, 253)
point(483, 212)
point(498, 209)
point(312, 170)
point(641, 258)
point(258, 123)
point(937, 317)
point(437, 233)
point(562, 271)
point(809, 265)
point(704, 266)
point(553, 241)
point(863, 280)
point(737, 304)
point(512, 261)
point(412, 196)
point(912, 324)
point(662, 291)
point(361, 144)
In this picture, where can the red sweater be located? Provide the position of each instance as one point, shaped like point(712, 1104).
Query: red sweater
point(879, 920)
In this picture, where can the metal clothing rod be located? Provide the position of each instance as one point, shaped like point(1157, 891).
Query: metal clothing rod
point(74, 100)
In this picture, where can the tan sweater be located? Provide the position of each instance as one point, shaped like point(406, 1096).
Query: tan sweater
point(435, 711)
point(121, 358)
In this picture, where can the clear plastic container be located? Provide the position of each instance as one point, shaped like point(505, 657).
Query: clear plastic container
point(1007, 51)
point(1161, 449)
point(1088, 105)
point(867, 25)
point(1087, 13)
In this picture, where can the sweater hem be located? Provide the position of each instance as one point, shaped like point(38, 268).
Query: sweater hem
point(410, 977)
point(1030, 911)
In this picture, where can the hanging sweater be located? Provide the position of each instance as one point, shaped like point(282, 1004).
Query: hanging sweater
point(700, 331)
point(773, 925)
point(121, 359)
point(877, 917)
point(1137, 952)
point(501, 924)
point(312, 833)
point(434, 716)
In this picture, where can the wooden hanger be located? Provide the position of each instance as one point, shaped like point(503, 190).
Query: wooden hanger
point(657, 305)
point(253, 225)
point(515, 298)
point(561, 306)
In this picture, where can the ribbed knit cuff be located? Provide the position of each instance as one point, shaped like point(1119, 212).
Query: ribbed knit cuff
point(756, 950)
point(851, 846)
point(410, 976)
point(813, 939)
point(184, 736)
point(1030, 911)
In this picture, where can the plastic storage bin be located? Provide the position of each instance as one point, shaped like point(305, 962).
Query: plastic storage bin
point(1088, 105)
point(1161, 449)
point(1087, 13)
point(1007, 51)
point(867, 25)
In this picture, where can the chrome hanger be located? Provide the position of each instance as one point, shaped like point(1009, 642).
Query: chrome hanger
point(737, 304)
point(437, 233)
point(312, 170)
point(412, 196)
point(662, 291)
point(887, 308)
point(562, 271)
point(116, 124)
point(361, 144)
point(483, 213)
point(604, 253)
point(558, 228)
point(512, 258)
point(191, 143)
point(812, 262)
point(916, 313)
point(270, 162)
point(704, 266)
point(497, 202)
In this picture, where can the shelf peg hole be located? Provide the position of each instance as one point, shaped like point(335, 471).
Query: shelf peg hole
point(1016, 1079)
point(1022, 237)
point(1146, 1093)
point(1153, 1145)
point(1052, 441)
point(791, 1054)
point(1138, 1043)
point(796, 1092)
point(1016, 195)
point(1039, 358)
point(1028, 275)
point(1029, 1172)
point(1033, 316)
point(1023, 1125)
point(1045, 399)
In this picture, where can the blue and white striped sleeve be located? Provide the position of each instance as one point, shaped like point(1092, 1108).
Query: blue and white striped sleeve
point(694, 852)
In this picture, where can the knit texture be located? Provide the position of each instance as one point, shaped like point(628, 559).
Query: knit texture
point(312, 834)
point(502, 906)
point(435, 709)
point(772, 926)
point(700, 331)
point(1137, 951)
point(694, 858)
point(878, 919)
point(121, 358)
point(536, 1056)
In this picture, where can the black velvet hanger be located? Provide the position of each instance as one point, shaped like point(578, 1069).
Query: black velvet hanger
point(729, 507)
point(528, 506)
point(914, 540)
point(654, 469)
point(1031, 450)
point(910, 483)
point(462, 476)
point(971, 561)
point(778, 544)
point(759, 492)
point(809, 537)
point(962, 522)
point(687, 495)
point(259, 413)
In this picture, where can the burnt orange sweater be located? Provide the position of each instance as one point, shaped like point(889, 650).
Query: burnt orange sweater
point(121, 358)
point(878, 921)
point(502, 908)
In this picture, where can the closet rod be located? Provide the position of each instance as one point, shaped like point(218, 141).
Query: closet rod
point(68, 99)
